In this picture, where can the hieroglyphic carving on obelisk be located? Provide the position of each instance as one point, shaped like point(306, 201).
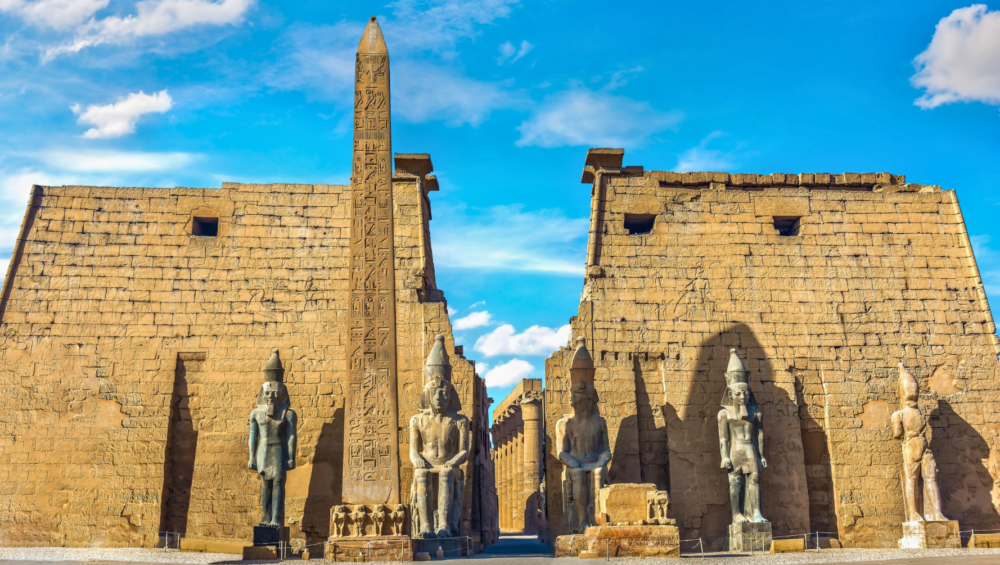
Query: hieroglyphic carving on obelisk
point(371, 465)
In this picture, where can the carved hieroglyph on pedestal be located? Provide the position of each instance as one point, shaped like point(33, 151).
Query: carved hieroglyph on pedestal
point(371, 468)
point(925, 525)
point(439, 445)
point(582, 441)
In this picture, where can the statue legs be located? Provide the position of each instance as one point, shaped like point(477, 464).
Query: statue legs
point(446, 494)
point(272, 502)
point(751, 502)
point(736, 497)
point(583, 494)
point(423, 516)
point(912, 458)
point(932, 495)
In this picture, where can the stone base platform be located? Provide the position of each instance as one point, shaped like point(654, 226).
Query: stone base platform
point(370, 548)
point(621, 541)
point(930, 535)
point(451, 547)
point(750, 536)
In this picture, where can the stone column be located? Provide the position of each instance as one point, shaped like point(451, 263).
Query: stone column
point(518, 491)
point(531, 413)
point(508, 507)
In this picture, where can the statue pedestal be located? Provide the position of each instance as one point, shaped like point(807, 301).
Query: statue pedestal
point(930, 535)
point(277, 538)
point(622, 541)
point(452, 547)
point(370, 548)
point(750, 536)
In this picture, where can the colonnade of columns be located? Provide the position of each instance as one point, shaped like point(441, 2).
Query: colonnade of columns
point(517, 454)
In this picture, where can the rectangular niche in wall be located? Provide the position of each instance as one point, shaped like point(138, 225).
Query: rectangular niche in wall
point(182, 445)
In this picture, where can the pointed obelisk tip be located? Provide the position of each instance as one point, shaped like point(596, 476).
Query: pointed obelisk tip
point(372, 40)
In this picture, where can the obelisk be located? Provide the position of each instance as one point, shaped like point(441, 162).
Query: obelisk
point(371, 464)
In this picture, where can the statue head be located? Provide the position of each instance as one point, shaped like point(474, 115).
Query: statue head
point(439, 396)
point(584, 399)
point(908, 392)
point(274, 371)
point(581, 367)
point(273, 396)
point(437, 364)
point(738, 396)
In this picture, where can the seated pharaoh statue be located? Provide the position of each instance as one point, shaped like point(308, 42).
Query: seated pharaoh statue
point(582, 440)
point(439, 445)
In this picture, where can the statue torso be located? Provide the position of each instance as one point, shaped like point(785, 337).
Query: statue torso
point(585, 437)
point(272, 446)
point(441, 436)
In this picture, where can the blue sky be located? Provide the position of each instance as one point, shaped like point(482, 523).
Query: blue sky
point(506, 96)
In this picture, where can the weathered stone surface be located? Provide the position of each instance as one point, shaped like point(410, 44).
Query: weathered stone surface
point(626, 504)
point(749, 536)
point(880, 271)
point(621, 541)
point(984, 540)
point(788, 545)
point(930, 534)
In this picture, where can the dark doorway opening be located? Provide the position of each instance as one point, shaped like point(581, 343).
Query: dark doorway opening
point(636, 224)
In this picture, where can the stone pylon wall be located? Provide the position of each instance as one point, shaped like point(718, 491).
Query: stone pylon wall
point(875, 271)
point(132, 352)
point(517, 431)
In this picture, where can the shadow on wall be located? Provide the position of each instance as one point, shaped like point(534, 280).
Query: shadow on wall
point(325, 481)
point(965, 483)
point(699, 486)
point(181, 448)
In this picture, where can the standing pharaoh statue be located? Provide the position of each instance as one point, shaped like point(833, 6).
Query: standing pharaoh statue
point(741, 440)
point(582, 440)
point(272, 442)
point(439, 445)
point(910, 425)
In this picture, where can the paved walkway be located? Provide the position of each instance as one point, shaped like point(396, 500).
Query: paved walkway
point(522, 550)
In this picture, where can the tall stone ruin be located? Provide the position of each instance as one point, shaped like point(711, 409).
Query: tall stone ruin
point(823, 283)
point(134, 320)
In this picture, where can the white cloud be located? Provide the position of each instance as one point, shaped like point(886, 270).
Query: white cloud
point(509, 238)
point(580, 116)
point(452, 311)
point(473, 320)
point(480, 303)
point(536, 340)
point(507, 50)
point(508, 373)
point(701, 158)
point(119, 118)
point(427, 84)
point(425, 92)
point(153, 18)
point(56, 14)
point(438, 24)
point(962, 62)
point(113, 161)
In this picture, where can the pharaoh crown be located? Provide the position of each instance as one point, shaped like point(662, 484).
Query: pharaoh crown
point(274, 371)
